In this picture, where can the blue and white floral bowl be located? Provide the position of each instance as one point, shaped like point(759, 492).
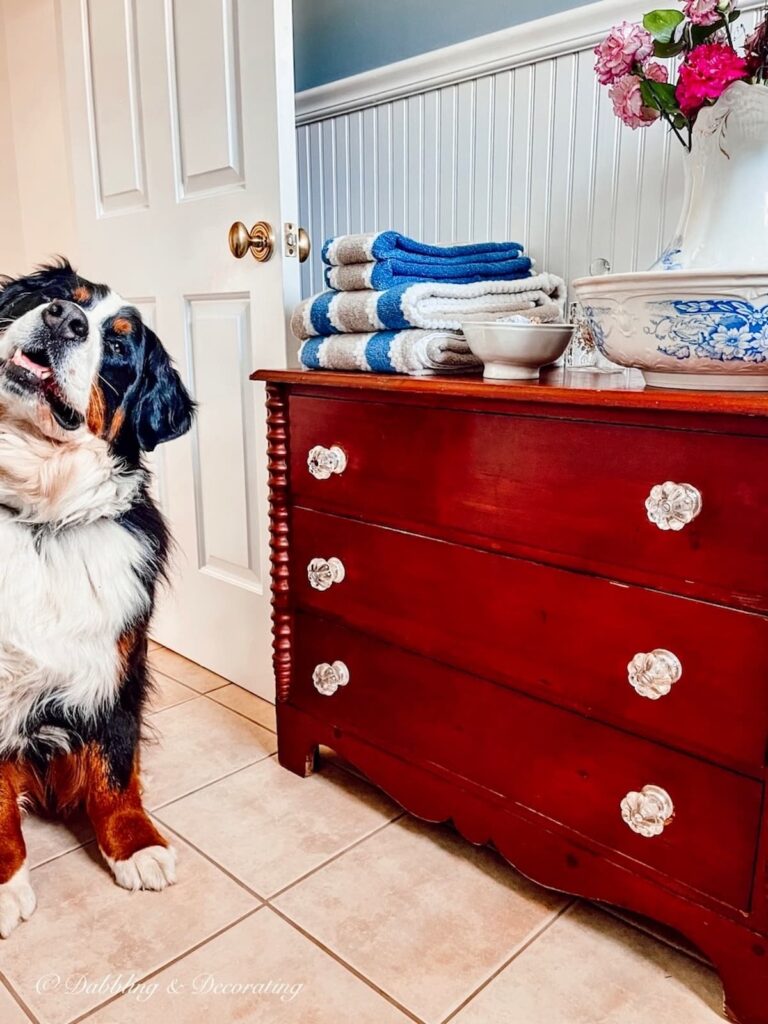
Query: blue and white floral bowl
point(683, 329)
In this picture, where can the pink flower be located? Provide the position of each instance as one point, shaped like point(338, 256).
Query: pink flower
point(625, 45)
point(705, 75)
point(628, 103)
point(656, 72)
point(702, 12)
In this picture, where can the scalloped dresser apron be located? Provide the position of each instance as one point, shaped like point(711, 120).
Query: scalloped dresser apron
point(541, 611)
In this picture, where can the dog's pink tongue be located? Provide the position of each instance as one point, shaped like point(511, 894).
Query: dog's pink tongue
point(19, 359)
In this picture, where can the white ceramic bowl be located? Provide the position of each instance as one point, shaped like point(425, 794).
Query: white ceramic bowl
point(516, 351)
point(683, 329)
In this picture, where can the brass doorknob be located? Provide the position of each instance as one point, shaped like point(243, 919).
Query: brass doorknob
point(260, 240)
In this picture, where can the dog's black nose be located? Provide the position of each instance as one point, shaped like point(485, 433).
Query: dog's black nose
point(66, 322)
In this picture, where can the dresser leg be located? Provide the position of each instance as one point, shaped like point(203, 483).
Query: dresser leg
point(296, 742)
point(744, 975)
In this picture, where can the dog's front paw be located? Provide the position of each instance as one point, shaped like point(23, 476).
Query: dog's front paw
point(17, 901)
point(154, 867)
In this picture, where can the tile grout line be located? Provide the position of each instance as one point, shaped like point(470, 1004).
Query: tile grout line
point(221, 778)
point(197, 695)
point(267, 901)
point(240, 713)
point(155, 673)
point(164, 672)
point(156, 688)
point(347, 966)
point(152, 811)
point(214, 689)
point(65, 853)
point(17, 998)
point(253, 892)
point(236, 771)
point(212, 862)
point(263, 902)
point(169, 963)
point(335, 857)
point(168, 707)
point(536, 934)
point(193, 695)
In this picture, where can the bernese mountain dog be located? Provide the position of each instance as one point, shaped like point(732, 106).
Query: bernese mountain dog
point(86, 388)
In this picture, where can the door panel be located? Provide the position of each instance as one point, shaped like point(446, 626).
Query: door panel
point(205, 94)
point(219, 358)
point(114, 105)
point(181, 122)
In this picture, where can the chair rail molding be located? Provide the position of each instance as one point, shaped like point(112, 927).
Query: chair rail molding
point(505, 136)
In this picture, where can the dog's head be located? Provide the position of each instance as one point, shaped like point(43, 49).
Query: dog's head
point(74, 354)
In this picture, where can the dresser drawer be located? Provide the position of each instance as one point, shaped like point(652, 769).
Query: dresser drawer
point(560, 635)
point(572, 770)
point(565, 492)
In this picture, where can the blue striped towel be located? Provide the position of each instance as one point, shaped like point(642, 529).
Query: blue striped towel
point(417, 353)
point(432, 305)
point(381, 261)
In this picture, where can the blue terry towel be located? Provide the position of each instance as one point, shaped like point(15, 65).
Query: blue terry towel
point(385, 260)
point(417, 353)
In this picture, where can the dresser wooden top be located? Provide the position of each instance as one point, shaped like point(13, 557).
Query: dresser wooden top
point(623, 390)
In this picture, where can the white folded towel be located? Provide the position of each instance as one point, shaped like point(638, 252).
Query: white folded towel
point(432, 305)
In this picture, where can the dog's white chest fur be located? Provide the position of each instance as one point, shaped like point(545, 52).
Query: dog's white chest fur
point(63, 605)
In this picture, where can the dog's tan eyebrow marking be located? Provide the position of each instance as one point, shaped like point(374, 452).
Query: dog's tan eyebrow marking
point(121, 325)
point(82, 294)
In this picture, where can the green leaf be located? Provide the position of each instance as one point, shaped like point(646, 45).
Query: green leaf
point(698, 34)
point(662, 24)
point(668, 49)
point(659, 95)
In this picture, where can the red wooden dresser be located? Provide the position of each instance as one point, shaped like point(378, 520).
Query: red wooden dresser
point(541, 611)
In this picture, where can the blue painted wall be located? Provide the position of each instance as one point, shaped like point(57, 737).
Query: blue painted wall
point(336, 38)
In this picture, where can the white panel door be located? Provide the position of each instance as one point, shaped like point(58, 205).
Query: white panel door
point(181, 121)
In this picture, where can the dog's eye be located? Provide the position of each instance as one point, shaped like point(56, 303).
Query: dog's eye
point(115, 347)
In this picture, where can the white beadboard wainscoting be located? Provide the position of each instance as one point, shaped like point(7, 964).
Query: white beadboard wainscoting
point(504, 137)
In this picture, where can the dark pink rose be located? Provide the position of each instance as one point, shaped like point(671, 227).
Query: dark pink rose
point(706, 74)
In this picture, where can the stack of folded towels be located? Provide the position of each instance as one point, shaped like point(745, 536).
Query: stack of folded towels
point(394, 305)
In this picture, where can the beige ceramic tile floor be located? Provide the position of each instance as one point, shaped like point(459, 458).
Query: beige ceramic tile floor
point(313, 901)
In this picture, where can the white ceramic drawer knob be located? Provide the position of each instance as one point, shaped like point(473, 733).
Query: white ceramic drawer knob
point(324, 462)
point(654, 674)
point(672, 506)
point(324, 572)
point(649, 811)
point(328, 678)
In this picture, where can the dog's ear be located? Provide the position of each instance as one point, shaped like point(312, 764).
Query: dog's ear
point(163, 409)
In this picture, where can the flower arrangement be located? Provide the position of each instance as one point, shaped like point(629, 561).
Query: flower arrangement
point(639, 86)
